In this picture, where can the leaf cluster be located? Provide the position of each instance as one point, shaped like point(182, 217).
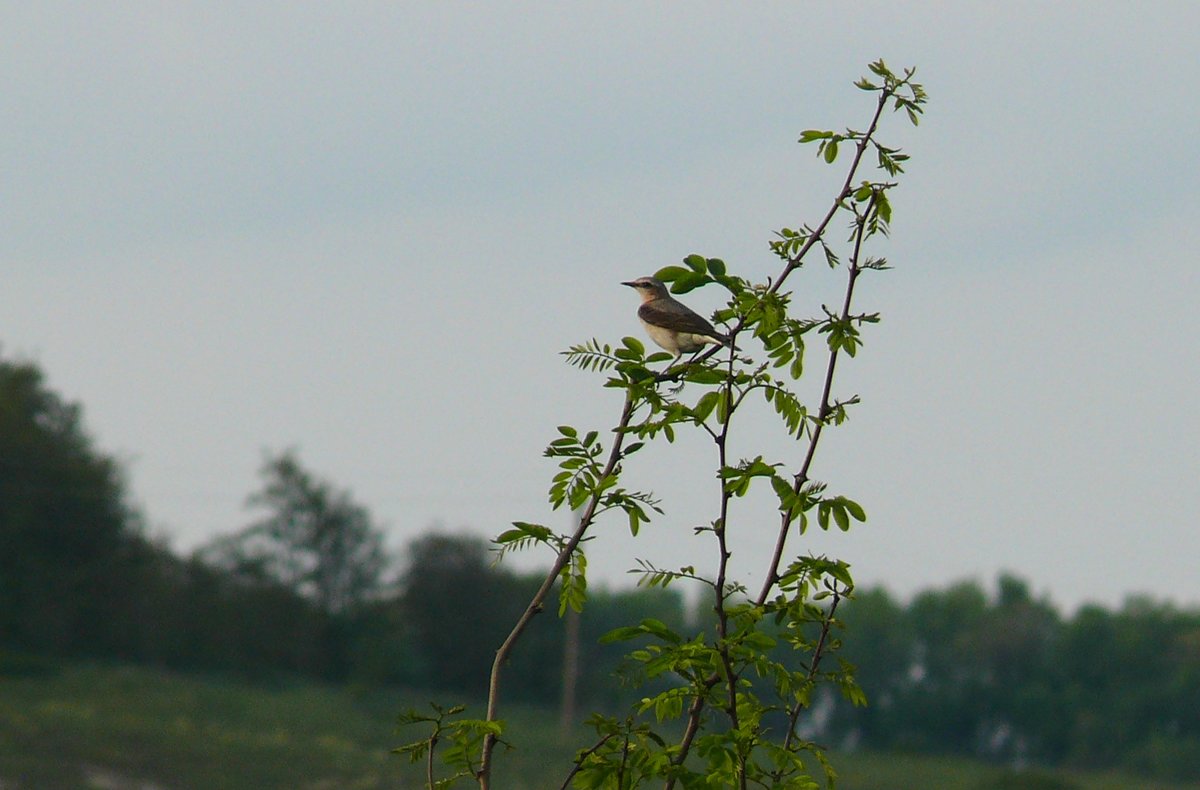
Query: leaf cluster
point(462, 737)
point(757, 658)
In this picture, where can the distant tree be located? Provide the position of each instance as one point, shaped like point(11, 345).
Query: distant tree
point(883, 651)
point(314, 539)
point(1015, 642)
point(1005, 677)
point(67, 537)
point(457, 605)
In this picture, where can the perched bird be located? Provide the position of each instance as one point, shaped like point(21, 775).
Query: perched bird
point(671, 324)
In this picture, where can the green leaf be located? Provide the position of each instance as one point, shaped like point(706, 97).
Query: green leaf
point(855, 509)
point(689, 282)
point(705, 405)
point(635, 345)
point(659, 628)
point(784, 492)
point(698, 374)
point(831, 151)
point(809, 135)
point(567, 430)
point(698, 263)
point(722, 406)
point(523, 530)
point(670, 273)
point(884, 207)
point(841, 572)
point(716, 267)
point(623, 634)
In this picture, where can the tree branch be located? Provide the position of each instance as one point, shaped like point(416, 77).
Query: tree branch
point(801, 476)
point(695, 711)
point(539, 597)
point(583, 756)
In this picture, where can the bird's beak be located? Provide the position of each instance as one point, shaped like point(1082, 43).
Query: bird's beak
point(630, 284)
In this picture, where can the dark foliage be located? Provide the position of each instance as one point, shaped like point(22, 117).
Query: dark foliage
point(1006, 677)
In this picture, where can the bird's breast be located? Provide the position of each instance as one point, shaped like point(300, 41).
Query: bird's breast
point(667, 339)
point(674, 341)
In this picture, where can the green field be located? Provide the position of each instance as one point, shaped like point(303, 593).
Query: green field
point(124, 727)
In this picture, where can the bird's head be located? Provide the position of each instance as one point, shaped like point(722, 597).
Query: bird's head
point(648, 287)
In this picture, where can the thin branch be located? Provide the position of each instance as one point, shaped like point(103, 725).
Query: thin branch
point(583, 756)
point(802, 477)
point(433, 739)
point(722, 570)
point(818, 654)
point(535, 604)
point(624, 761)
point(695, 711)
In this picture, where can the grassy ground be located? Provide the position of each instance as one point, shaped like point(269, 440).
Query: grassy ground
point(126, 728)
point(909, 772)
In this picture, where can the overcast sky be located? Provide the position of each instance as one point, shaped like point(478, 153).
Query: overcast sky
point(366, 230)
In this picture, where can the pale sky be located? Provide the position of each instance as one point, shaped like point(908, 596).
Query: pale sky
point(366, 230)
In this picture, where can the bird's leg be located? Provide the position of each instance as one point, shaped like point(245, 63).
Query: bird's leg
point(678, 387)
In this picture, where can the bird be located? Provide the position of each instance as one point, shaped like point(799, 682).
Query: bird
point(671, 324)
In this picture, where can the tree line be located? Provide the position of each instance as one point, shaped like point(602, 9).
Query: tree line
point(307, 590)
point(1006, 676)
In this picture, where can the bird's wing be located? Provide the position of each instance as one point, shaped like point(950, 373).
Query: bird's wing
point(678, 318)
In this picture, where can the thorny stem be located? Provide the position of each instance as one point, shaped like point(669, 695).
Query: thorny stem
point(539, 597)
point(696, 709)
point(860, 149)
point(795, 261)
point(801, 477)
